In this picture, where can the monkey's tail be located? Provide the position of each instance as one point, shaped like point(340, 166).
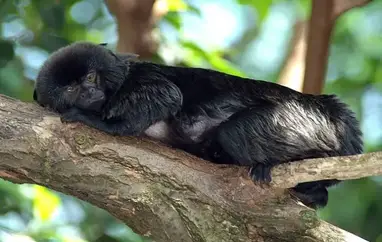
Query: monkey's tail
point(347, 126)
point(313, 194)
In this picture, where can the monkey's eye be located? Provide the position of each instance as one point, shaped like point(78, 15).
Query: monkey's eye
point(91, 77)
point(70, 89)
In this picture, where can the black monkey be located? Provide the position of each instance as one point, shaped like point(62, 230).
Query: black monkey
point(216, 116)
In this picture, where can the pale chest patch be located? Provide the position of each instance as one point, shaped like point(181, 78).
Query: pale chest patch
point(159, 131)
point(203, 124)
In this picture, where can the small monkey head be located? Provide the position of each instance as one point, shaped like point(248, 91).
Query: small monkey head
point(82, 75)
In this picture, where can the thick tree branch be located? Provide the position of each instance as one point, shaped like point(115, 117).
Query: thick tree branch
point(160, 192)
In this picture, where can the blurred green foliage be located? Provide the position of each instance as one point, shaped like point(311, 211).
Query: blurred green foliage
point(241, 37)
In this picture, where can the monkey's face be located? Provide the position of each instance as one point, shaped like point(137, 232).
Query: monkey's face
point(88, 94)
point(81, 75)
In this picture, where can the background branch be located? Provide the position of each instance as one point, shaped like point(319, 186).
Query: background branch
point(319, 32)
point(135, 23)
point(160, 192)
point(292, 74)
point(305, 67)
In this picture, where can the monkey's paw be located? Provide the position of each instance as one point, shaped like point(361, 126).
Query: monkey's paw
point(260, 174)
point(70, 117)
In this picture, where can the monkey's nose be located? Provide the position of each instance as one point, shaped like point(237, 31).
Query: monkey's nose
point(99, 95)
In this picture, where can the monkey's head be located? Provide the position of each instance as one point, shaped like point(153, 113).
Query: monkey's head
point(81, 75)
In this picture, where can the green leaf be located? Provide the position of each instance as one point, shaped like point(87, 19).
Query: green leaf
point(213, 58)
point(176, 5)
point(45, 203)
point(173, 18)
point(181, 6)
point(225, 66)
point(6, 7)
point(304, 7)
point(195, 48)
point(7, 52)
point(51, 42)
point(194, 9)
point(245, 2)
point(53, 15)
point(262, 7)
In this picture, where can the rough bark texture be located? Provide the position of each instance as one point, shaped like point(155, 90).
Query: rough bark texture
point(159, 192)
point(342, 168)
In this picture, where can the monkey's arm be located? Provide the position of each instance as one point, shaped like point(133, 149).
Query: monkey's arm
point(113, 127)
point(131, 113)
point(148, 101)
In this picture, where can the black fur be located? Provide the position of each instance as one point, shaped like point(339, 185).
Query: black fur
point(216, 116)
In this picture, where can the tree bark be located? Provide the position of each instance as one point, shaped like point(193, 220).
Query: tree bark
point(160, 192)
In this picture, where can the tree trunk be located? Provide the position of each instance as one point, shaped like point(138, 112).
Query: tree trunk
point(135, 23)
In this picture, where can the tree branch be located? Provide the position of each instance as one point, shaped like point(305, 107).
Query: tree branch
point(306, 64)
point(292, 74)
point(342, 168)
point(135, 22)
point(161, 192)
point(319, 32)
point(321, 24)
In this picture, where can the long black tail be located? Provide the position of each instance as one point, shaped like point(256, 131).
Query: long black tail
point(315, 194)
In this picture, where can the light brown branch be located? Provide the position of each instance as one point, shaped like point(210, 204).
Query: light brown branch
point(342, 168)
point(342, 6)
point(135, 22)
point(166, 194)
point(292, 74)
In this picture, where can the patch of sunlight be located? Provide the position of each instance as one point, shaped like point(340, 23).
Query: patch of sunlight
point(45, 203)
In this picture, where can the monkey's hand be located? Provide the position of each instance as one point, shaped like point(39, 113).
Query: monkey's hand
point(113, 127)
point(115, 111)
point(71, 116)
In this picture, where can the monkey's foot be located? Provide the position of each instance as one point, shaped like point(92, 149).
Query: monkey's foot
point(261, 174)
